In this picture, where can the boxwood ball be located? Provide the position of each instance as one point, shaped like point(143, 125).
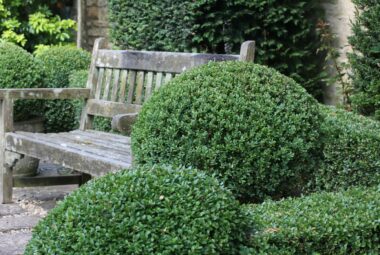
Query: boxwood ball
point(145, 210)
point(248, 124)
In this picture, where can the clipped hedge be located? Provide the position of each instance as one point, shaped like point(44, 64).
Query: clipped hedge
point(59, 62)
point(251, 126)
point(18, 69)
point(325, 223)
point(365, 58)
point(283, 30)
point(78, 79)
point(351, 145)
point(159, 210)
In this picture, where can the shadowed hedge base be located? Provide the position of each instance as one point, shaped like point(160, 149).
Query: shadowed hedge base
point(248, 124)
point(324, 223)
point(59, 62)
point(18, 69)
point(351, 156)
point(147, 210)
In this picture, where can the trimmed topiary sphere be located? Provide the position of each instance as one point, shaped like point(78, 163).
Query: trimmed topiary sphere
point(148, 210)
point(59, 63)
point(18, 69)
point(351, 151)
point(338, 223)
point(251, 126)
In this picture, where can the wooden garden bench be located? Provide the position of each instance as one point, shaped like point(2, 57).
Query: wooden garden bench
point(118, 84)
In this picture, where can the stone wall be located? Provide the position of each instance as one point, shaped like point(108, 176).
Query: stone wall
point(339, 14)
point(95, 21)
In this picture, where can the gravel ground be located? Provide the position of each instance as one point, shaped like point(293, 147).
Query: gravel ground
point(28, 207)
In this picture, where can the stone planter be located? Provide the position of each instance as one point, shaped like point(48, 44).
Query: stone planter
point(28, 166)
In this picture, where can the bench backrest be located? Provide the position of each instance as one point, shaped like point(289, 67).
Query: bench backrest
point(122, 80)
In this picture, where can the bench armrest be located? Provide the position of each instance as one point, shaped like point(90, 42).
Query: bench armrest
point(45, 93)
point(123, 122)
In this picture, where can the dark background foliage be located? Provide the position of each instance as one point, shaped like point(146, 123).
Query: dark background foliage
point(18, 69)
point(59, 63)
point(284, 31)
point(365, 61)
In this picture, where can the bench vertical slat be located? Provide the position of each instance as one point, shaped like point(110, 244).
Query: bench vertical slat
point(115, 87)
point(92, 80)
point(108, 81)
point(131, 88)
point(158, 81)
point(6, 125)
point(139, 87)
point(99, 85)
point(149, 85)
point(168, 77)
point(247, 51)
point(123, 85)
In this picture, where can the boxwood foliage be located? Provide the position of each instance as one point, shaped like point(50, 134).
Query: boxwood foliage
point(323, 223)
point(59, 62)
point(351, 145)
point(18, 69)
point(365, 59)
point(78, 79)
point(251, 126)
point(284, 31)
point(147, 210)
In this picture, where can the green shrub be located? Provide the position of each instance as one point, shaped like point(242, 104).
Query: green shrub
point(159, 210)
point(252, 126)
point(78, 79)
point(18, 69)
point(351, 145)
point(59, 63)
point(325, 223)
point(284, 31)
point(364, 61)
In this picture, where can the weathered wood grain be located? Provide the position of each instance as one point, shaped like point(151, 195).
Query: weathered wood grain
point(115, 86)
point(131, 88)
point(107, 84)
point(139, 88)
point(166, 62)
point(45, 93)
point(247, 51)
point(149, 85)
point(124, 122)
point(6, 125)
point(123, 86)
point(158, 81)
point(109, 109)
point(99, 85)
point(87, 161)
point(168, 77)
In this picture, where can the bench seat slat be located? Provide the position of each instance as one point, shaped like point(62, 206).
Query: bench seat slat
point(61, 140)
point(94, 160)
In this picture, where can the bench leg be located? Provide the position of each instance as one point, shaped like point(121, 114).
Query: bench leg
point(6, 184)
point(7, 161)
